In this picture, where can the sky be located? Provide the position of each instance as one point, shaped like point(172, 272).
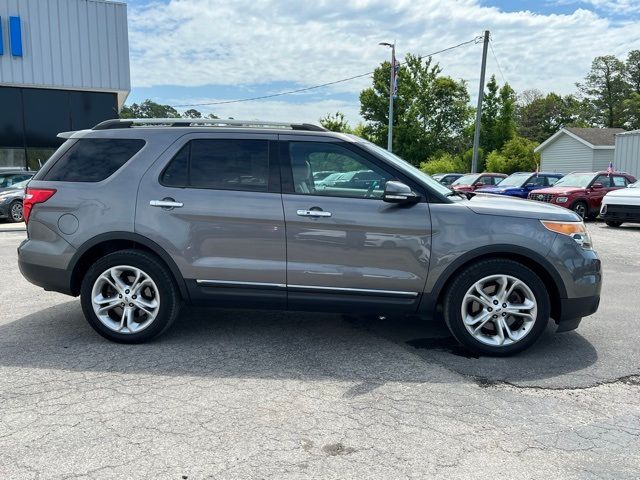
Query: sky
point(186, 52)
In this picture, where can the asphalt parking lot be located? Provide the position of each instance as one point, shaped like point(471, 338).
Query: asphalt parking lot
point(252, 394)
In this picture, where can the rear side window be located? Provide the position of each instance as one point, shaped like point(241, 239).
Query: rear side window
point(220, 165)
point(619, 182)
point(93, 159)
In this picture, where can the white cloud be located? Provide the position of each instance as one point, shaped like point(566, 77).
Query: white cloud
point(249, 42)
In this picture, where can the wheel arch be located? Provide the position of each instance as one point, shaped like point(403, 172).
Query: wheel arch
point(529, 258)
point(115, 241)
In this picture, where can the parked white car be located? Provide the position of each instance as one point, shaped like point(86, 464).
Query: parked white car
point(622, 206)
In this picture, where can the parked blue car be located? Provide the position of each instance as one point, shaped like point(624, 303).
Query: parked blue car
point(519, 184)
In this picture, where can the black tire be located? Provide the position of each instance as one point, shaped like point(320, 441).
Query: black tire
point(580, 207)
point(456, 292)
point(170, 300)
point(613, 223)
point(15, 212)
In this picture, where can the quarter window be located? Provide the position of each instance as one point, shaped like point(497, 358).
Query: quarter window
point(220, 165)
point(354, 176)
point(93, 159)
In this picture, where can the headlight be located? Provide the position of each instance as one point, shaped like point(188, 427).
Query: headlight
point(575, 230)
point(561, 199)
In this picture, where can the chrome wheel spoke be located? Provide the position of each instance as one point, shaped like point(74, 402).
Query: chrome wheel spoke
point(491, 318)
point(114, 303)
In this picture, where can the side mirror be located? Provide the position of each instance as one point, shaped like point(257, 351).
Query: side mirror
point(398, 192)
point(597, 186)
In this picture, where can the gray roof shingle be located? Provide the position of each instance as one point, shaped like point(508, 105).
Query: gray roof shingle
point(597, 136)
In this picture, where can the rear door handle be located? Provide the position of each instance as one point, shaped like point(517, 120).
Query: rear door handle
point(313, 213)
point(166, 203)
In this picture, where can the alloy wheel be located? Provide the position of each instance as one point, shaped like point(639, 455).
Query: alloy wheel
point(16, 212)
point(125, 299)
point(499, 310)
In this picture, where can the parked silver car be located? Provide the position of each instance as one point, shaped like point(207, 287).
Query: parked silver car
point(139, 216)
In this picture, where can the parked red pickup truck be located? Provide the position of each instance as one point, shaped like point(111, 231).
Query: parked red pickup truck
point(582, 192)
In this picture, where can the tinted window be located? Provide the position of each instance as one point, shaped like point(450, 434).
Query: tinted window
point(177, 172)
point(537, 181)
point(220, 165)
point(93, 159)
point(230, 164)
point(619, 182)
point(605, 180)
point(355, 177)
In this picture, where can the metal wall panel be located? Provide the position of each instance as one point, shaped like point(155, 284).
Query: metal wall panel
point(627, 157)
point(68, 44)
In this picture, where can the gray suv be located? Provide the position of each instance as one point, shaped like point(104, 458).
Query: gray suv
point(139, 216)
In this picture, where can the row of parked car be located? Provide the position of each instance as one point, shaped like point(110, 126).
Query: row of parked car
point(12, 187)
point(586, 193)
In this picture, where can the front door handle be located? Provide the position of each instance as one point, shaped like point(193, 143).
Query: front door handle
point(166, 203)
point(313, 213)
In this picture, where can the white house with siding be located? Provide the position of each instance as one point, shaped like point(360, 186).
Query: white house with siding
point(578, 149)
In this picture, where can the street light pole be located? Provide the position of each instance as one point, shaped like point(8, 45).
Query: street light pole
point(476, 136)
point(391, 92)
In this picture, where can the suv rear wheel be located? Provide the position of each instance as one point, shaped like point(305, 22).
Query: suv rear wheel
point(129, 297)
point(497, 307)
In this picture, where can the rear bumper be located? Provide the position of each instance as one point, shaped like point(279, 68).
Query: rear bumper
point(51, 279)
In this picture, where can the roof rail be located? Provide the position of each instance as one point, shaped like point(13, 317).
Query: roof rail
point(203, 122)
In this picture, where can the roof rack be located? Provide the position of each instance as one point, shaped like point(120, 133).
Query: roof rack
point(203, 122)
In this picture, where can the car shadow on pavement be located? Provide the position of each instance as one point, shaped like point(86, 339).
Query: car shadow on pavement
point(267, 344)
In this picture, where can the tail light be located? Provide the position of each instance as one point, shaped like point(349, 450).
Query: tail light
point(33, 196)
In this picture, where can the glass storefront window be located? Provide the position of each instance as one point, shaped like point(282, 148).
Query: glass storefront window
point(12, 158)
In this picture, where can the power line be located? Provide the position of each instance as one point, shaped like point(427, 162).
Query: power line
point(504, 80)
point(314, 87)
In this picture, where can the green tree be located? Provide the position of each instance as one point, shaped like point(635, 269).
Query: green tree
point(443, 163)
point(632, 111)
point(430, 112)
point(192, 113)
point(149, 109)
point(605, 89)
point(515, 156)
point(336, 123)
point(489, 119)
point(539, 116)
point(632, 70)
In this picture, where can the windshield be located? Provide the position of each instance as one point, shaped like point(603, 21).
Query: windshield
point(580, 180)
point(635, 185)
point(404, 165)
point(466, 180)
point(515, 180)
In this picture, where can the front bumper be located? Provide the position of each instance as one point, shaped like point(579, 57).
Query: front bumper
point(573, 309)
point(620, 213)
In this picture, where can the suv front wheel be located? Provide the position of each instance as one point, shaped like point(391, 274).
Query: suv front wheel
point(497, 307)
point(129, 297)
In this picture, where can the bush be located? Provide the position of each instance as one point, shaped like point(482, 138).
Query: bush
point(443, 163)
point(516, 155)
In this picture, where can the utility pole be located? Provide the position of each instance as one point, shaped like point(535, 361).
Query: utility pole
point(391, 92)
point(476, 136)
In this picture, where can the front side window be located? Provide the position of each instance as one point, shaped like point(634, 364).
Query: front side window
point(93, 159)
point(537, 181)
point(552, 180)
point(354, 175)
point(220, 165)
point(604, 180)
